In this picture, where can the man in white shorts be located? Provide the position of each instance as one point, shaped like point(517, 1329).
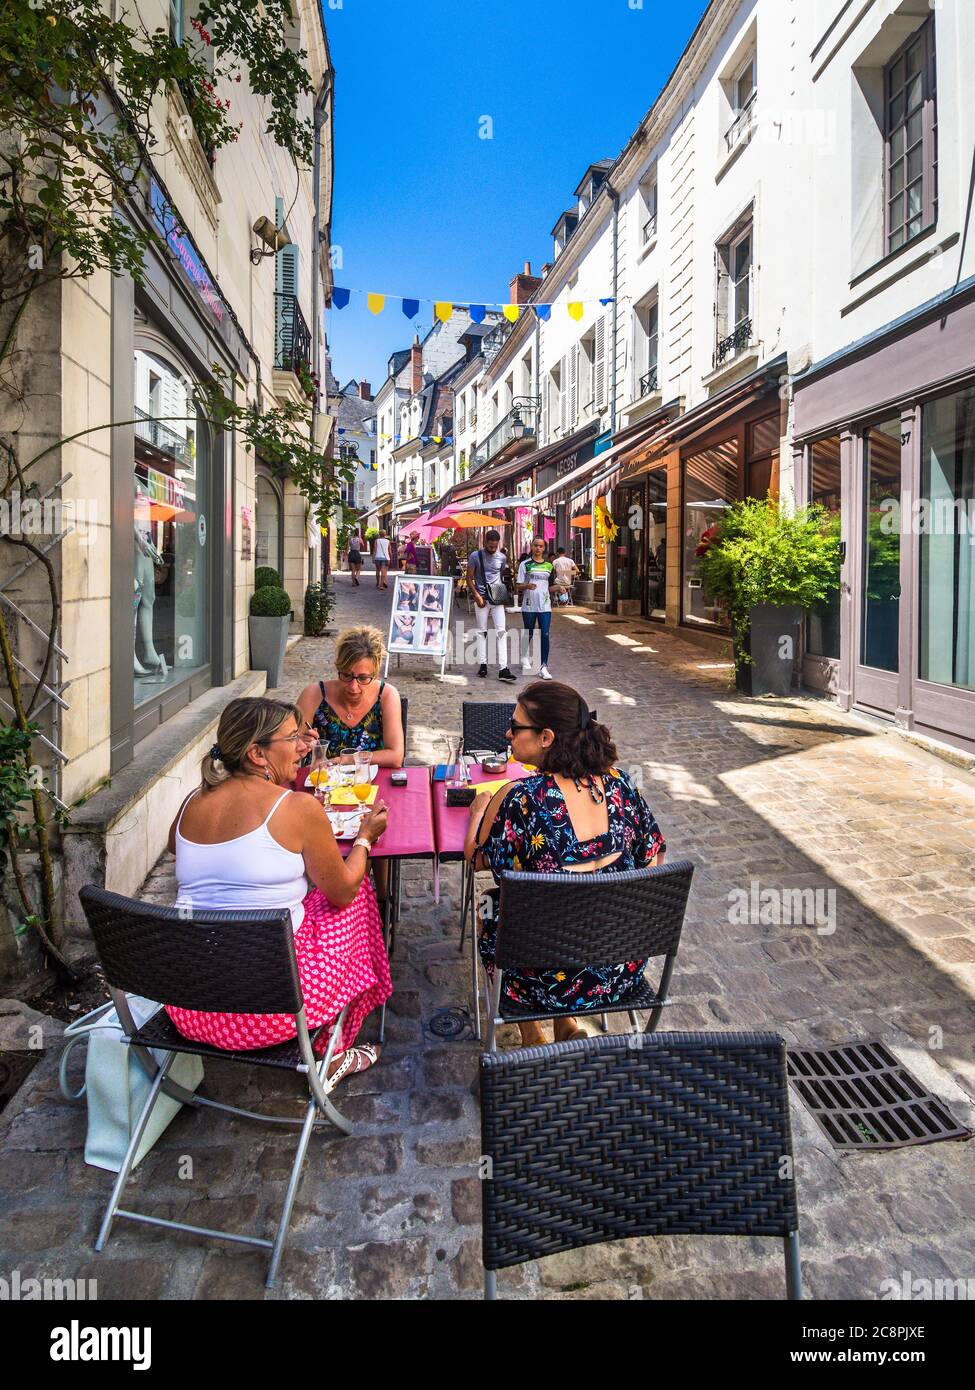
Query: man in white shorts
point(484, 569)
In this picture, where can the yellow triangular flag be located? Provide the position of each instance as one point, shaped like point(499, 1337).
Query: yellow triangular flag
point(443, 310)
point(575, 309)
point(511, 312)
point(376, 302)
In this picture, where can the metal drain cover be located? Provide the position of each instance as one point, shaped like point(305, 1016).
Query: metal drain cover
point(862, 1097)
point(450, 1023)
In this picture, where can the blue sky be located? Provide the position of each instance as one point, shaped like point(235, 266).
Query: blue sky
point(423, 206)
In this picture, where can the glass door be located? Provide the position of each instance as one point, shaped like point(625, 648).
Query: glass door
point(630, 546)
point(878, 657)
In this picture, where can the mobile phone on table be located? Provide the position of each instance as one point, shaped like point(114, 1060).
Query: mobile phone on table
point(398, 777)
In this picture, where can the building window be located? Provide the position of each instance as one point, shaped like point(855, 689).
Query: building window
point(461, 413)
point(735, 292)
point(170, 483)
point(593, 346)
point(268, 532)
point(910, 134)
point(645, 327)
point(823, 619)
point(946, 597)
point(648, 210)
point(740, 88)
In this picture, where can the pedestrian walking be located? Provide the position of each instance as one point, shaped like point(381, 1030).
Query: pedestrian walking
point(356, 546)
point(535, 577)
point(566, 571)
point(411, 554)
point(485, 578)
point(380, 556)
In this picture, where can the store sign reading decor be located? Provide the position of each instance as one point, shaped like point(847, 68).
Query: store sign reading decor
point(180, 244)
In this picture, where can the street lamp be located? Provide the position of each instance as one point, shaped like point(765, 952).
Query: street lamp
point(517, 426)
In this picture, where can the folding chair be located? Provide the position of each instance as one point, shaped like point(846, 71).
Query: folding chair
point(226, 962)
point(567, 921)
point(619, 1136)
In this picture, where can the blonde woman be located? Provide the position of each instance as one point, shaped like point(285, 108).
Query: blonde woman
point(243, 840)
point(357, 710)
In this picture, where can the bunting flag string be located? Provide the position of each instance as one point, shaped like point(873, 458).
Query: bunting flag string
point(444, 308)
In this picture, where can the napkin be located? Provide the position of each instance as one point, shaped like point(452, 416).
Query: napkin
point(344, 796)
point(491, 787)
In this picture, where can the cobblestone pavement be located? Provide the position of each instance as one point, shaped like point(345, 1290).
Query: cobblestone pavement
point(785, 793)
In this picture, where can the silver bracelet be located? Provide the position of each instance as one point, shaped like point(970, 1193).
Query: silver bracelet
point(366, 844)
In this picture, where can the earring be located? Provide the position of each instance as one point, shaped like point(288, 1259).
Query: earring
point(267, 773)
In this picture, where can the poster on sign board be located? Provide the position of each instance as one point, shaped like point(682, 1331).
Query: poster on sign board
point(419, 621)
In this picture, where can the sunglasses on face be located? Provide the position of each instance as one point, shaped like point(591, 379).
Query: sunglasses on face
point(515, 728)
point(347, 678)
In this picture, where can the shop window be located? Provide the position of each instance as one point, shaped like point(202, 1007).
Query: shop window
point(171, 624)
point(710, 486)
point(881, 547)
point(657, 543)
point(946, 595)
point(823, 473)
point(762, 456)
point(910, 138)
point(269, 530)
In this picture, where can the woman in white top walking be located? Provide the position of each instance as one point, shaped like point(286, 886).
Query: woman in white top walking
point(242, 842)
point(380, 555)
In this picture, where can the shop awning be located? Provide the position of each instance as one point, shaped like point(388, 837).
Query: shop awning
point(523, 464)
point(613, 462)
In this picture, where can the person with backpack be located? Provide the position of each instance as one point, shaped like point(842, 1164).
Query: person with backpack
point(535, 578)
point(486, 572)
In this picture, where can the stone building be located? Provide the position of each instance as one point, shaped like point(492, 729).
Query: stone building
point(170, 516)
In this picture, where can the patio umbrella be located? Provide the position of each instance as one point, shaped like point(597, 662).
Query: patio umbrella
point(581, 521)
point(466, 521)
point(415, 525)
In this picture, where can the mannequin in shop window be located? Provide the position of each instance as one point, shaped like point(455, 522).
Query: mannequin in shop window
point(147, 557)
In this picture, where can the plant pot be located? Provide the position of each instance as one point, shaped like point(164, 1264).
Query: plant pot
point(773, 640)
point(269, 638)
point(24, 966)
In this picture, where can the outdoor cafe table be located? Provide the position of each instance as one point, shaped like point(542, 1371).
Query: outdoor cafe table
point(450, 822)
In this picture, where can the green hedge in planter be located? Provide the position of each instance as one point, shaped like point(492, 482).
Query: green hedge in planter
point(318, 610)
point(759, 553)
point(270, 602)
point(264, 576)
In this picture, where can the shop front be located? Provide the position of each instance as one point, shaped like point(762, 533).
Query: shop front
point(885, 439)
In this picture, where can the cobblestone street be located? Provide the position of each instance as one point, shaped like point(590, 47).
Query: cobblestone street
point(787, 793)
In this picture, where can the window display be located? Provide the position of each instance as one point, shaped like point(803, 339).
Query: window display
point(171, 626)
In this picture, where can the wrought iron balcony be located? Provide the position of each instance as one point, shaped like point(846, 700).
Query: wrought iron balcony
point(292, 350)
point(161, 437)
point(648, 382)
point(734, 343)
point(743, 124)
point(519, 423)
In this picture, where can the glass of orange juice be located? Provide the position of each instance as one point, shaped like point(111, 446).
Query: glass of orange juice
point(361, 780)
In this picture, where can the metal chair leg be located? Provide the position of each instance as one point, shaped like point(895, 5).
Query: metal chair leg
point(793, 1272)
point(634, 1020)
point(494, 1009)
point(603, 1023)
point(130, 1153)
point(490, 1285)
point(292, 1192)
point(388, 940)
point(475, 977)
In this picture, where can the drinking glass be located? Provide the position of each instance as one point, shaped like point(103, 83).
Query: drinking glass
point(456, 767)
point(318, 775)
point(361, 781)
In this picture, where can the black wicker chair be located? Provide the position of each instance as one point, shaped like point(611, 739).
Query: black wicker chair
point(618, 1136)
point(555, 921)
point(404, 705)
point(227, 962)
point(486, 726)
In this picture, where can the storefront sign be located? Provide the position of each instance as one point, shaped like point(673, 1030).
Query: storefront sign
point(246, 519)
point(161, 488)
point(180, 244)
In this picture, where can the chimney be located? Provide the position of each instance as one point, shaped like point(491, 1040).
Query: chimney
point(546, 268)
point(523, 286)
point(416, 367)
point(365, 391)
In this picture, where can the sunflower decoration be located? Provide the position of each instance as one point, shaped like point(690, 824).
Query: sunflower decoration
point(606, 527)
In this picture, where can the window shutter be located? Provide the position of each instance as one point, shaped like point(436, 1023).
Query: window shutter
point(599, 364)
point(574, 386)
point(722, 279)
point(563, 394)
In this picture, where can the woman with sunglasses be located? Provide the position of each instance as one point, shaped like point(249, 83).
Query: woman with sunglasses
point(578, 814)
point(357, 710)
point(244, 840)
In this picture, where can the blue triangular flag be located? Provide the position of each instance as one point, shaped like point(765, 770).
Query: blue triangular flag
point(477, 312)
point(544, 311)
point(411, 307)
point(609, 300)
point(340, 297)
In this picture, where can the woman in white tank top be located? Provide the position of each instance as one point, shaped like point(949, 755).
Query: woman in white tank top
point(242, 842)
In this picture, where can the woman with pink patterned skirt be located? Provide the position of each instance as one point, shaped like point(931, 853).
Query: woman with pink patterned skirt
point(242, 842)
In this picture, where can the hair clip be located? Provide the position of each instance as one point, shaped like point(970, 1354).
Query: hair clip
point(216, 754)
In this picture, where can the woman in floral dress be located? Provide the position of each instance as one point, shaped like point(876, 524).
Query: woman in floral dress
point(357, 710)
point(578, 814)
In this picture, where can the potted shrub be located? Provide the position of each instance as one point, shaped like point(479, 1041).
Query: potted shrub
point(270, 614)
point(318, 610)
point(767, 566)
point(265, 575)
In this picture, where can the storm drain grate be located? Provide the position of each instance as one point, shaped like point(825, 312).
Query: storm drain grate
point(862, 1097)
point(450, 1024)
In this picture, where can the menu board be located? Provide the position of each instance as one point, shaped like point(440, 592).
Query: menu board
point(420, 617)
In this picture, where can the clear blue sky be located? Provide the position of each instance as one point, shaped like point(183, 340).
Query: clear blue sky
point(423, 206)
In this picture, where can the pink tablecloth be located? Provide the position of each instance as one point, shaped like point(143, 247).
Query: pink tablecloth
point(450, 822)
point(409, 833)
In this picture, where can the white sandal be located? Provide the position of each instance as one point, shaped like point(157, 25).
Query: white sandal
point(350, 1065)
